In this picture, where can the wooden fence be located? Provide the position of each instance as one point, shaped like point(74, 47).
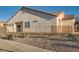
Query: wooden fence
point(62, 29)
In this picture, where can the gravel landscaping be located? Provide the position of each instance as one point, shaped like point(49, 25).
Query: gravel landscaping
point(63, 43)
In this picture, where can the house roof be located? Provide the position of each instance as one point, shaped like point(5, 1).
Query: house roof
point(57, 13)
point(38, 11)
point(31, 9)
point(67, 17)
point(53, 13)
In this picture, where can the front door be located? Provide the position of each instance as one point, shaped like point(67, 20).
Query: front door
point(19, 26)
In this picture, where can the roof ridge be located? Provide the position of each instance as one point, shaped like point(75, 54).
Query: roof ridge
point(38, 10)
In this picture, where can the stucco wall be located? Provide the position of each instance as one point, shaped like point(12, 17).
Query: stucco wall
point(69, 22)
point(59, 22)
point(43, 24)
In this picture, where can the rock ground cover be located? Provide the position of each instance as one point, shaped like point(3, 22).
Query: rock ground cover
point(67, 43)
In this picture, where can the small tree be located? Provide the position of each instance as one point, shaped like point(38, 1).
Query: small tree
point(77, 18)
point(77, 23)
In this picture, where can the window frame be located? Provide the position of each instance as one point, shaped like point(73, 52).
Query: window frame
point(27, 24)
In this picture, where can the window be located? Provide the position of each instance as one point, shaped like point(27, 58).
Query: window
point(9, 24)
point(12, 24)
point(27, 24)
point(6, 24)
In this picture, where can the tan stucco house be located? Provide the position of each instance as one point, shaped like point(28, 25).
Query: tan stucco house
point(2, 27)
point(2, 23)
point(31, 20)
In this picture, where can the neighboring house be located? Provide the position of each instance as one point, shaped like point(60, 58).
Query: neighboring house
point(2, 23)
point(2, 27)
point(30, 20)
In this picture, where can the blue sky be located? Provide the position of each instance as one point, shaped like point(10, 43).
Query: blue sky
point(7, 11)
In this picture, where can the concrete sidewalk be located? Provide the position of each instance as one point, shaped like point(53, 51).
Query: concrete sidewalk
point(19, 47)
